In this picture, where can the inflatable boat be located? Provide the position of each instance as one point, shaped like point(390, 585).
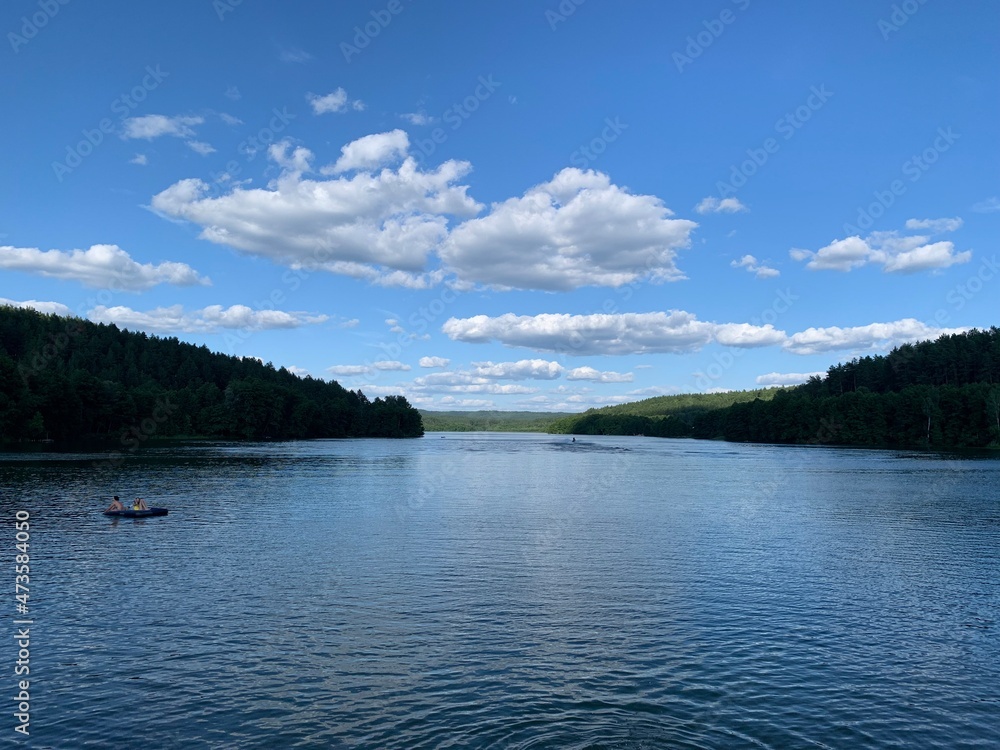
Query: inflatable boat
point(129, 513)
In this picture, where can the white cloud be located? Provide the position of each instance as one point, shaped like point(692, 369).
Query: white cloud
point(464, 403)
point(294, 55)
point(842, 255)
point(465, 382)
point(988, 206)
point(772, 379)
point(391, 365)
point(674, 332)
point(230, 119)
point(760, 270)
point(596, 376)
point(525, 369)
point(434, 362)
point(873, 337)
point(381, 227)
point(418, 118)
point(349, 369)
point(140, 159)
point(712, 205)
point(337, 101)
point(100, 266)
point(371, 151)
point(49, 308)
point(896, 253)
point(207, 320)
point(926, 257)
point(149, 127)
point(935, 226)
point(299, 371)
point(200, 147)
point(576, 230)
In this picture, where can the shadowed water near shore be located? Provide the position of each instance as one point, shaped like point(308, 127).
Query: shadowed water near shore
point(494, 590)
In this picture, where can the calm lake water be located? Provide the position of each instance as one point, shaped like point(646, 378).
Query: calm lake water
point(511, 591)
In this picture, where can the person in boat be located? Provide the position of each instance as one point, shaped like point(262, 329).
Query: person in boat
point(116, 504)
point(139, 504)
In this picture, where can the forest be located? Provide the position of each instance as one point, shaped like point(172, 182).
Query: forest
point(660, 416)
point(64, 379)
point(932, 394)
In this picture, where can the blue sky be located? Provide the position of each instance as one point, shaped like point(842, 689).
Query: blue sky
point(520, 205)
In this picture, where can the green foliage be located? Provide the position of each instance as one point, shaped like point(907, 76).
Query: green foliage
point(65, 378)
point(942, 394)
point(684, 409)
point(488, 421)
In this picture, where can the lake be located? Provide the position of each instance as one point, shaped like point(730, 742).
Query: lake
point(494, 590)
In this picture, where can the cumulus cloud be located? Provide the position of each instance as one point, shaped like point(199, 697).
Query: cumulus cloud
point(873, 337)
point(576, 230)
point(525, 369)
point(896, 253)
point(465, 382)
point(140, 159)
point(391, 365)
point(760, 270)
point(209, 319)
point(712, 205)
point(349, 369)
point(100, 266)
point(378, 226)
point(434, 362)
point(372, 151)
point(49, 308)
point(772, 379)
point(336, 101)
point(674, 332)
point(148, 127)
point(596, 376)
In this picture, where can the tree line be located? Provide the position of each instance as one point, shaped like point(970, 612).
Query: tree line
point(933, 394)
point(66, 378)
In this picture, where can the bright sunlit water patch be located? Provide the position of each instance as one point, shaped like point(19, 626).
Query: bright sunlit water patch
point(514, 591)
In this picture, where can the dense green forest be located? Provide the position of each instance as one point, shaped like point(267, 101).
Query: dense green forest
point(940, 394)
point(937, 394)
point(489, 421)
point(660, 416)
point(66, 379)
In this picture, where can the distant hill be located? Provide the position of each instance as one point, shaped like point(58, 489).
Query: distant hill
point(660, 416)
point(67, 378)
point(488, 421)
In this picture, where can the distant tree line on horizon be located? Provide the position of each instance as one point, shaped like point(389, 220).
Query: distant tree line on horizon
point(66, 378)
point(936, 394)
